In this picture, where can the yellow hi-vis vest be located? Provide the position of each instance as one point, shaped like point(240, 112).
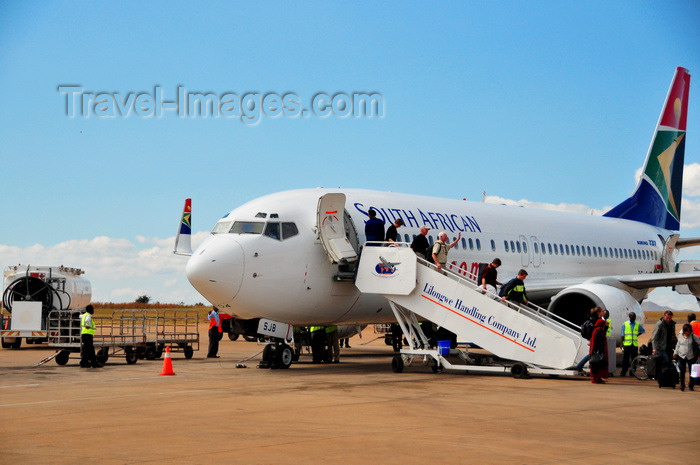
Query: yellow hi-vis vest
point(630, 334)
point(609, 331)
point(313, 329)
point(330, 329)
point(83, 329)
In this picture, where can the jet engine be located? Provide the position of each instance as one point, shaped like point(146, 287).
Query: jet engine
point(574, 304)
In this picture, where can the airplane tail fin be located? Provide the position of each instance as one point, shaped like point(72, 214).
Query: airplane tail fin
point(657, 198)
point(183, 240)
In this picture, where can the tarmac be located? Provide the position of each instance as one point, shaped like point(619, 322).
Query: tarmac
point(354, 412)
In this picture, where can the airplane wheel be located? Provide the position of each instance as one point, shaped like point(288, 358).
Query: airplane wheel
point(188, 351)
point(233, 336)
point(285, 356)
point(250, 338)
point(62, 357)
point(519, 370)
point(397, 364)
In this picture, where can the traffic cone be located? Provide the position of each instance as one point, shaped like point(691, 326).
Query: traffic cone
point(167, 364)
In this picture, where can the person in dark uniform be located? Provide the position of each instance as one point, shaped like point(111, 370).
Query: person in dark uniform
point(374, 228)
point(420, 243)
point(392, 233)
point(490, 275)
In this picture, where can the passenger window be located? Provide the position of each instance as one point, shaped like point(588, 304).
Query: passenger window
point(549, 248)
point(464, 243)
point(247, 227)
point(512, 246)
point(289, 230)
point(578, 251)
point(567, 249)
point(478, 244)
point(524, 247)
point(517, 244)
point(534, 246)
point(407, 238)
point(430, 239)
point(493, 245)
point(595, 252)
point(273, 230)
point(505, 246)
point(588, 248)
point(471, 244)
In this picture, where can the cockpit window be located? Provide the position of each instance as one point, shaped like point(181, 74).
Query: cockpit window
point(289, 230)
point(221, 227)
point(273, 230)
point(247, 227)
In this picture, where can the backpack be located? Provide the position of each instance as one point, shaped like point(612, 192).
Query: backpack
point(480, 273)
point(587, 329)
point(505, 289)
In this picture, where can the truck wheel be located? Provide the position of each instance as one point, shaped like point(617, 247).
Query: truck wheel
point(62, 357)
point(250, 338)
point(6, 345)
point(189, 351)
point(130, 355)
point(519, 370)
point(103, 355)
point(233, 336)
point(150, 353)
point(397, 364)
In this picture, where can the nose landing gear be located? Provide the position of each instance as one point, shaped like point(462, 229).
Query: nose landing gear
point(276, 355)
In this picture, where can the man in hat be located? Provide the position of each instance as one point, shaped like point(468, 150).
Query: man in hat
point(88, 328)
point(420, 243)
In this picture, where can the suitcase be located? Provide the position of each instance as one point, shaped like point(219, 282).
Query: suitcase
point(654, 364)
point(668, 377)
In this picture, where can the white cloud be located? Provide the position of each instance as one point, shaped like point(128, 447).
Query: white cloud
point(691, 180)
point(119, 269)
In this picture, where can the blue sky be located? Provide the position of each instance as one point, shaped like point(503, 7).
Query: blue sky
point(553, 102)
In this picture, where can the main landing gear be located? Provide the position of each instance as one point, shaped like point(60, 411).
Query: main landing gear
point(277, 355)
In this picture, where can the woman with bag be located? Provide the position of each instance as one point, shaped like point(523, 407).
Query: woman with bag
point(687, 351)
point(599, 352)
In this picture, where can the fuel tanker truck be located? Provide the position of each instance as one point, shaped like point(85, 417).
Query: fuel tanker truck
point(31, 292)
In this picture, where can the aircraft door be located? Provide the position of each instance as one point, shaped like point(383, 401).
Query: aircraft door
point(535, 250)
point(524, 251)
point(331, 228)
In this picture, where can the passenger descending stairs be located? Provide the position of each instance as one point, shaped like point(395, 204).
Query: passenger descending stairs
point(515, 332)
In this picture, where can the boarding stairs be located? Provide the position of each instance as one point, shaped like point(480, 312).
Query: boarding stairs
point(530, 337)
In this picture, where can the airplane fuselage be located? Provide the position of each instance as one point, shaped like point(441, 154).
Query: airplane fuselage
point(252, 268)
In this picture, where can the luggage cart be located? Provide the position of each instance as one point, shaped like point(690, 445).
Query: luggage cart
point(177, 329)
point(122, 333)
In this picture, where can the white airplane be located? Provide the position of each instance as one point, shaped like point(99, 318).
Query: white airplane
point(289, 257)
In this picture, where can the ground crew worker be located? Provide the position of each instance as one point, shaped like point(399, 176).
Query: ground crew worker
point(87, 345)
point(318, 343)
point(214, 330)
point(607, 319)
point(630, 333)
point(333, 343)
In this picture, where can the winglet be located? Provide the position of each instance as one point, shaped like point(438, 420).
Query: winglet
point(657, 198)
point(183, 240)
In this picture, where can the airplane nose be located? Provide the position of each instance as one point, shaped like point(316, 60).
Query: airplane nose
point(216, 271)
